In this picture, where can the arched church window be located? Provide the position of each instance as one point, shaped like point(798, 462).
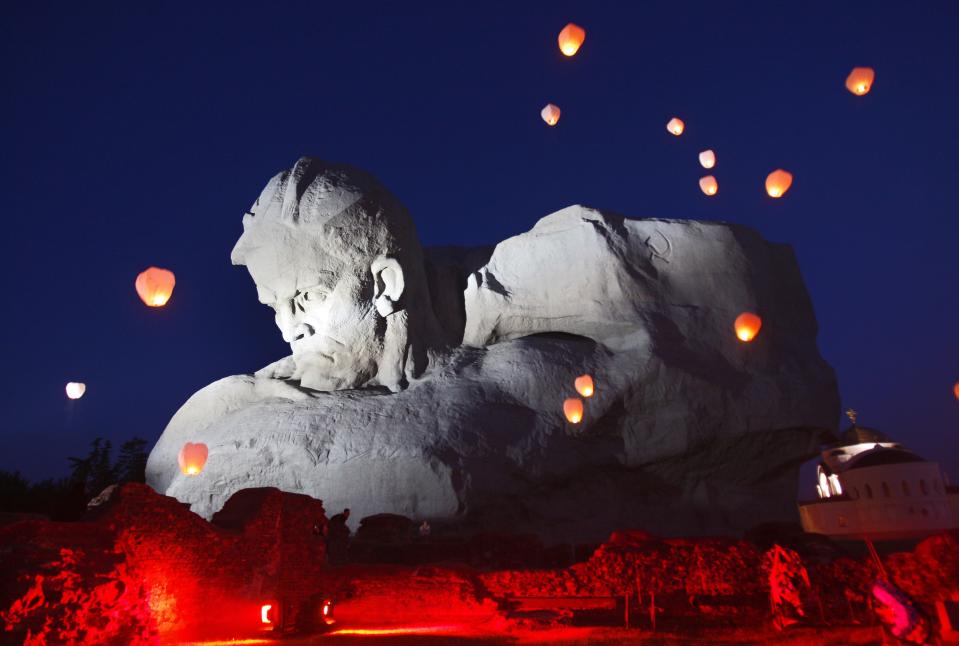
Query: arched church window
point(868, 491)
point(834, 486)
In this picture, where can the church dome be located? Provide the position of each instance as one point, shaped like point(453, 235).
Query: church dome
point(862, 435)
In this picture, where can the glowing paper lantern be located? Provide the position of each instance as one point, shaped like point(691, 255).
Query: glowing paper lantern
point(955, 390)
point(709, 185)
point(75, 389)
point(676, 126)
point(707, 159)
point(571, 39)
point(155, 286)
point(573, 409)
point(778, 182)
point(550, 114)
point(584, 385)
point(192, 458)
point(747, 326)
point(860, 79)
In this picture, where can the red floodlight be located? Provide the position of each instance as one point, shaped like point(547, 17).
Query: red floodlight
point(326, 611)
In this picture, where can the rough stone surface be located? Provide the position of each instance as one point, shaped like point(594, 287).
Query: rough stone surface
point(690, 431)
point(141, 569)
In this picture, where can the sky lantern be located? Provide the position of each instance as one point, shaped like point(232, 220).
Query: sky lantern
point(778, 182)
point(550, 114)
point(192, 458)
point(571, 39)
point(955, 390)
point(155, 286)
point(860, 79)
point(676, 126)
point(747, 326)
point(75, 389)
point(709, 185)
point(573, 409)
point(707, 159)
point(584, 385)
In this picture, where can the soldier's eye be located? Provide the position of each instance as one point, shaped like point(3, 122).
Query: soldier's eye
point(309, 296)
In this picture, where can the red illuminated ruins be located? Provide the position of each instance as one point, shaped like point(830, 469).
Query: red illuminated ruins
point(142, 569)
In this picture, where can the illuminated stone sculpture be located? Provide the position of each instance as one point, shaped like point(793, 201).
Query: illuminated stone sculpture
point(431, 384)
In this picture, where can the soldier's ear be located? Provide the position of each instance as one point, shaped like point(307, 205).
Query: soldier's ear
point(388, 285)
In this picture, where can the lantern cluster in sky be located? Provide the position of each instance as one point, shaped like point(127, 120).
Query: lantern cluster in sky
point(709, 185)
point(75, 389)
point(155, 286)
point(571, 39)
point(675, 126)
point(707, 159)
point(192, 458)
point(550, 114)
point(860, 79)
point(747, 326)
point(573, 409)
point(778, 182)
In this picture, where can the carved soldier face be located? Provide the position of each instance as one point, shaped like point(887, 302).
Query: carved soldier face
point(331, 325)
point(318, 244)
point(332, 313)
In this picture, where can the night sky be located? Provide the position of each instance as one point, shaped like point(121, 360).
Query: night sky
point(137, 134)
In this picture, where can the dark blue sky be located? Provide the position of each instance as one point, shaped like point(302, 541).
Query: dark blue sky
point(136, 134)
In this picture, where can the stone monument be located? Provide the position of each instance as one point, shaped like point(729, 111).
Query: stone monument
point(431, 383)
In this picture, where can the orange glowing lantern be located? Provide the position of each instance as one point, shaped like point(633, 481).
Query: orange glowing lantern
point(709, 185)
point(573, 409)
point(676, 126)
point(75, 389)
point(747, 326)
point(778, 182)
point(550, 114)
point(192, 458)
point(571, 39)
point(955, 390)
point(860, 79)
point(707, 159)
point(584, 385)
point(155, 286)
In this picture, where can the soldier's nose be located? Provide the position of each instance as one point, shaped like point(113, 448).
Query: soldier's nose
point(287, 321)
